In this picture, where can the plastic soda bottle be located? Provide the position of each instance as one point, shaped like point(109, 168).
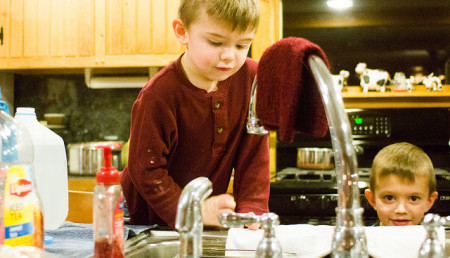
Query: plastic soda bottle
point(23, 219)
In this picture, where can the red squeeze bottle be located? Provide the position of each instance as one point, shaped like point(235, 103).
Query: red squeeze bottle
point(108, 208)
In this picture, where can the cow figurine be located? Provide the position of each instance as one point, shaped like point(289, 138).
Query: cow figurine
point(372, 79)
point(340, 80)
point(432, 83)
point(409, 84)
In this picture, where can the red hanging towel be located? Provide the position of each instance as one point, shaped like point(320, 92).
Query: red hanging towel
point(287, 97)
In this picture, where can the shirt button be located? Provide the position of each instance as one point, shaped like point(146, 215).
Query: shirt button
point(220, 129)
point(217, 105)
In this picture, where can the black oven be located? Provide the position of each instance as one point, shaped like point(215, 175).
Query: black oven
point(310, 196)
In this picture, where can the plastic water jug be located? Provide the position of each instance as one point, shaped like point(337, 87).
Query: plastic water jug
point(50, 163)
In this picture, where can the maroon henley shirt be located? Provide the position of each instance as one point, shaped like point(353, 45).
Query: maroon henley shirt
point(180, 132)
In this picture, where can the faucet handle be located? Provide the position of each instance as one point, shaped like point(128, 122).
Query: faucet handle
point(433, 220)
point(269, 246)
point(231, 220)
point(431, 247)
point(267, 220)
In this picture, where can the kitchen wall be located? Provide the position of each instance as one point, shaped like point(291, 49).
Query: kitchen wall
point(7, 88)
point(409, 36)
point(91, 114)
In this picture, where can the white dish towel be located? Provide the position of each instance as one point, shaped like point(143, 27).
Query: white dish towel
point(308, 241)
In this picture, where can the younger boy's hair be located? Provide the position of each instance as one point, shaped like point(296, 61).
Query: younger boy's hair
point(405, 161)
point(237, 14)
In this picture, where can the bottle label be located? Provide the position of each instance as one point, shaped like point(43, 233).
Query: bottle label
point(118, 222)
point(3, 173)
point(23, 217)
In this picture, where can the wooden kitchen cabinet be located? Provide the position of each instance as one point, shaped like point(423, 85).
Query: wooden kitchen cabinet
point(45, 33)
point(81, 198)
point(136, 33)
point(40, 34)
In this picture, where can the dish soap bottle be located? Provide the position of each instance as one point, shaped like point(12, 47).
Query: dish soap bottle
point(50, 165)
point(108, 208)
point(22, 211)
point(3, 104)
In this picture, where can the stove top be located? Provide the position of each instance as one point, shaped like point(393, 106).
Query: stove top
point(296, 180)
point(311, 175)
point(317, 176)
point(310, 196)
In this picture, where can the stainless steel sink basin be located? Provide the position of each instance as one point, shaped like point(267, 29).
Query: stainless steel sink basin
point(162, 249)
point(150, 244)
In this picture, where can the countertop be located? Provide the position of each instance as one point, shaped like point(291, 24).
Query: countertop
point(75, 240)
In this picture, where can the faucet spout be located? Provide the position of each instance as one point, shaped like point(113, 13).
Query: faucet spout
point(349, 239)
point(253, 125)
point(189, 220)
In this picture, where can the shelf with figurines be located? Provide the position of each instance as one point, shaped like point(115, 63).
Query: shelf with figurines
point(378, 90)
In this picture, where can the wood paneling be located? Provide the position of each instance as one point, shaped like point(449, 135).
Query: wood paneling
point(269, 27)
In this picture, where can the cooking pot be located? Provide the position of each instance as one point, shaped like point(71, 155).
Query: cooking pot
point(315, 158)
point(85, 159)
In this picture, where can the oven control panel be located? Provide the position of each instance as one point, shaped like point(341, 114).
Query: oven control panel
point(370, 125)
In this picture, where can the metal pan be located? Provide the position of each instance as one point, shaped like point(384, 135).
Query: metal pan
point(315, 158)
point(85, 159)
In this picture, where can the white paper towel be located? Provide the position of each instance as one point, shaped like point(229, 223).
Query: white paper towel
point(315, 241)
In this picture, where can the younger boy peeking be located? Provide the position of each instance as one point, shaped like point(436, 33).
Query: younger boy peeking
point(402, 185)
point(190, 120)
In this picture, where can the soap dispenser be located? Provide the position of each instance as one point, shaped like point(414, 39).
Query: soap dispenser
point(108, 208)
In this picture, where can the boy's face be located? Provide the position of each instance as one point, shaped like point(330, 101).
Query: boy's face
point(213, 51)
point(398, 203)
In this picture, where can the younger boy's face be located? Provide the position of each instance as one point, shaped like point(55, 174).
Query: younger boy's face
point(398, 203)
point(213, 51)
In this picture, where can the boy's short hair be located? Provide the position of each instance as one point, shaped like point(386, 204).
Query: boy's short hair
point(405, 161)
point(237, 14)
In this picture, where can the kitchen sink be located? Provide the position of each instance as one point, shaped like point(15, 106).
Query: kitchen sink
point(167, 245)
point(163, 249)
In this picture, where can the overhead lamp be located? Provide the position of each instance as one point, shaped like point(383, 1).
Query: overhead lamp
point(340, 4)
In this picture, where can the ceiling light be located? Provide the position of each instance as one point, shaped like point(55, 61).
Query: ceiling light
point(340, 4)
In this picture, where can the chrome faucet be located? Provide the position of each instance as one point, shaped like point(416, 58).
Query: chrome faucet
point(189, 219)
point(269, 246)
point(432, 247)
point(349, 239)
point(253, 125)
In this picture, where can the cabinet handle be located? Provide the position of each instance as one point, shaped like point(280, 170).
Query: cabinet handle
point(1, 36)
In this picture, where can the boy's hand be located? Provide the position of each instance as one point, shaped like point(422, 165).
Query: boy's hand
point(215, 206)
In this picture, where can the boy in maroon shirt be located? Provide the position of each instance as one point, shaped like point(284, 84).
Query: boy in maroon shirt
point(190, 120)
